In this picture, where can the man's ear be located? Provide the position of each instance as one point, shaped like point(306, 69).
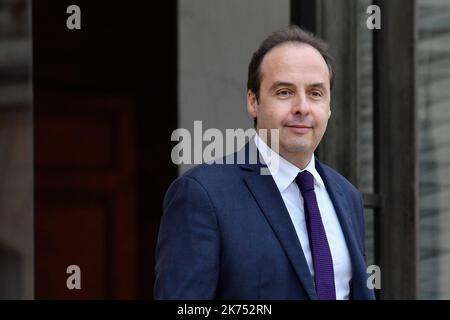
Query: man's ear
point(329, 113)
point(252, 103)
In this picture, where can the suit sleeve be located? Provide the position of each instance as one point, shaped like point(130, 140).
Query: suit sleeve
point(362, 225)
point(187, 251)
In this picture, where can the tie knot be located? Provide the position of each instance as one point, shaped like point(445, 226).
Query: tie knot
point(305, 181)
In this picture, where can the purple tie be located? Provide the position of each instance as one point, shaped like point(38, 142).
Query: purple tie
point(321, 254)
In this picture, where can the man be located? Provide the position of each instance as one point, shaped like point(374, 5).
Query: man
point(230, 232)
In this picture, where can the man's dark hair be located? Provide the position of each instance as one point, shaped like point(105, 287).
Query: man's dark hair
point(290, 34)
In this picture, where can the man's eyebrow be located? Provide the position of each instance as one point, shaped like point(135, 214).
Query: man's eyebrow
point(320, 85)
point(277, 84)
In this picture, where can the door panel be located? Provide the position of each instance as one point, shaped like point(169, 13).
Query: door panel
point(85, 206)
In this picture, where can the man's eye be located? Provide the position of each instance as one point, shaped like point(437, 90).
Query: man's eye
point(316, 94)
point(284, 93)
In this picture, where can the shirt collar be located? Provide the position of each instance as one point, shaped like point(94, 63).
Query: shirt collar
point(284, 173)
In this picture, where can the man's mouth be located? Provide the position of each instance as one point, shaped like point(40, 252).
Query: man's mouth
point(299, 128)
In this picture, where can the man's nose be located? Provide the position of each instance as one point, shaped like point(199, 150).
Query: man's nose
point(301, 105)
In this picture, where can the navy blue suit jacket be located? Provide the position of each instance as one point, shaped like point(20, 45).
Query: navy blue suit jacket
point(226, 234)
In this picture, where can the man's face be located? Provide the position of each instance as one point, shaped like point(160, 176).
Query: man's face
point(294, 98)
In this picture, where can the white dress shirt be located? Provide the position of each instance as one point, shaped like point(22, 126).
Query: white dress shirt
point(284, 174)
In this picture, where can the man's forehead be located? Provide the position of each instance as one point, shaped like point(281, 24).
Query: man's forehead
point(293, 54)
point(294, 59)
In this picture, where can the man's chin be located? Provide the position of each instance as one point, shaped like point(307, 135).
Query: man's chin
point(296, 148)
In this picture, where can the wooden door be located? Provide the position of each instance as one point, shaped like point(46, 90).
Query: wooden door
point(105, 105)
point(85, 158)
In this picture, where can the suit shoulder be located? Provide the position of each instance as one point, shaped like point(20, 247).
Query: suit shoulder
point(340, 179)
point(204, 180)
point(214, 171)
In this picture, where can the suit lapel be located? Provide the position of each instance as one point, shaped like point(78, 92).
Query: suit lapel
point(268, 197)
point(342, 211)
point(266, 194)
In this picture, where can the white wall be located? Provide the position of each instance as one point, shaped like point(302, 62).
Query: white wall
point(216, 39)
